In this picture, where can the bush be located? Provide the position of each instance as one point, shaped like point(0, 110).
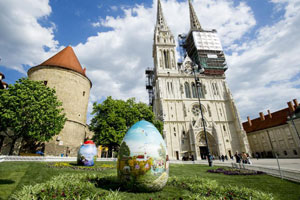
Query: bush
point(86, 186)
point(231, 171)
point(210, 190)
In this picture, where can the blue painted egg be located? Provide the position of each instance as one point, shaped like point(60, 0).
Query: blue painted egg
point(142, 159)
point(87, 154)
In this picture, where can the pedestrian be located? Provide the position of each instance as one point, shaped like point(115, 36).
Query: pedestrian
point(248, 159)
point(256, 155)
point(222, 157)
point(244, 158)
point(226, 157)
point(237, 157)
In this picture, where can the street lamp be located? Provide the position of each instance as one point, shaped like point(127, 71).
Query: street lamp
point(198, 85)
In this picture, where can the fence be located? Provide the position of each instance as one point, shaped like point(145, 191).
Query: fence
point(288, 174)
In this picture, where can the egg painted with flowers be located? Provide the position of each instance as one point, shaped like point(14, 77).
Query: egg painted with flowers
point(87, 154)
point(143, 160)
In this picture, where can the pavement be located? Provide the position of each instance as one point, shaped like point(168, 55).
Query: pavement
point(291, 164)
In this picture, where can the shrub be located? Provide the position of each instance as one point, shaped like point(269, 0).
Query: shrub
point(231, 171)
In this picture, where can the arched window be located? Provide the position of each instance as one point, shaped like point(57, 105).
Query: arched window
point(166, 59)
point(194, 91)
point(200, 91)
point(187, 90)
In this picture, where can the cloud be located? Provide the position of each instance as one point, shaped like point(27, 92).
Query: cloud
point(114, 8)
point(116, 60)
point(266, 75)
point(22, 38)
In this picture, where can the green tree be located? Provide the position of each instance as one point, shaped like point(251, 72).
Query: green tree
point(124, 150)
point(112, 118)
point(31, 111)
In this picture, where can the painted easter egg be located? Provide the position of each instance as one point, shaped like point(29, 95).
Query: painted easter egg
point(142, 159)
point(87, 154)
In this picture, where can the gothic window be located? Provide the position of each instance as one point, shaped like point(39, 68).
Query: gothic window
point(187, 90)
point(166, 59)
point(200, 91)
point(217, 89)
point(209, 111)
point(194, 92)
point(168, 87)
point(224, 128)
point(172, 88)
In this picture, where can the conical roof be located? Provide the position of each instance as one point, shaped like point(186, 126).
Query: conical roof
point(66, 58)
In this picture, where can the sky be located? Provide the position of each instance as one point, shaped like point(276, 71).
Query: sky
point(113, 40)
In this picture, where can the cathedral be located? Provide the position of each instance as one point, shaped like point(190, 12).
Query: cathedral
point(181, 92)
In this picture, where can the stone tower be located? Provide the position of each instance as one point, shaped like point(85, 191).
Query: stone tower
point(175, 94)
point(64, 73)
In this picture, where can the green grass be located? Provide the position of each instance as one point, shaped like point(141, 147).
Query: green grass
point(14, 175)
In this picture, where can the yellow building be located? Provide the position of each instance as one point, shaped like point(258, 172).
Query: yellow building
point(276, 132)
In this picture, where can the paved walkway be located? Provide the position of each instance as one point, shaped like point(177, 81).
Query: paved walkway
point(292, 164)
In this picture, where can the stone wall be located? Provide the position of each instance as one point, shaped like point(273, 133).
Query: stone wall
point(73, 90)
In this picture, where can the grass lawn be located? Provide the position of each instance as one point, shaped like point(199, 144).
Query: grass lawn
point(14, 175)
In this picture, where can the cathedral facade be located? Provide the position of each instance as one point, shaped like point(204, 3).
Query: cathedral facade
point(174, 89)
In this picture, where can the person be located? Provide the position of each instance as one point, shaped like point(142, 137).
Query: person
point(68, 152)
point(226, 157)
point(192, 157)
point(244, 158)
point(222, 157)
point(256, 155)
point(248, 159)
point(237, 157)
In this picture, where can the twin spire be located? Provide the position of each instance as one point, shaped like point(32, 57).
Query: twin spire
point(160, 21)
point(194, 22)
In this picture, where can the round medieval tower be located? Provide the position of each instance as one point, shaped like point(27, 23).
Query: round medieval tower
point(64, 73)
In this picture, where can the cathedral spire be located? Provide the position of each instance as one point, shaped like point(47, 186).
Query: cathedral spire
point(195, 24)
point(160, 21)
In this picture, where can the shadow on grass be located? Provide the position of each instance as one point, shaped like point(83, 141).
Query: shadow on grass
point(6, 181)
point(113, 183)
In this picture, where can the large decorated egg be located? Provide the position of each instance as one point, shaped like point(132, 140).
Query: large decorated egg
point(87, 154)
point(143, 160)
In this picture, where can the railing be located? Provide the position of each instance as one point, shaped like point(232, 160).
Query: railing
point(288, 174)
point(45, 159)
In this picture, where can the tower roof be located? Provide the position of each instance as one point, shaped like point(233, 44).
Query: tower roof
point(160, 20)
point(194, 22)
point(66, 58)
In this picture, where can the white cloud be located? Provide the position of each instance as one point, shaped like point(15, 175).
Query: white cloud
point(261, 77)
point(266, 75)
point(114, 8)
point(116, 60)
point(22, 38)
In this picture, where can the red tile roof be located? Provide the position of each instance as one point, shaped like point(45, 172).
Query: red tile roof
point(278, 118)
point(66, 58)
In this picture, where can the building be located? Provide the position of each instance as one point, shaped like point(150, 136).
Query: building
point(173, 92)
point(3, 85)
point(64, 73)
point(276, 132)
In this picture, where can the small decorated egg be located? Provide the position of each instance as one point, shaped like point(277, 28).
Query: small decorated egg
point(87, 154)
point(142, 159)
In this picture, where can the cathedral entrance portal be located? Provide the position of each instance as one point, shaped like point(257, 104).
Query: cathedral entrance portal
point(203, 152)
point(213, 147)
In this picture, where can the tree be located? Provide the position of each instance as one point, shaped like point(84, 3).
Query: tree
point(113, 118)
point(31, 111)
